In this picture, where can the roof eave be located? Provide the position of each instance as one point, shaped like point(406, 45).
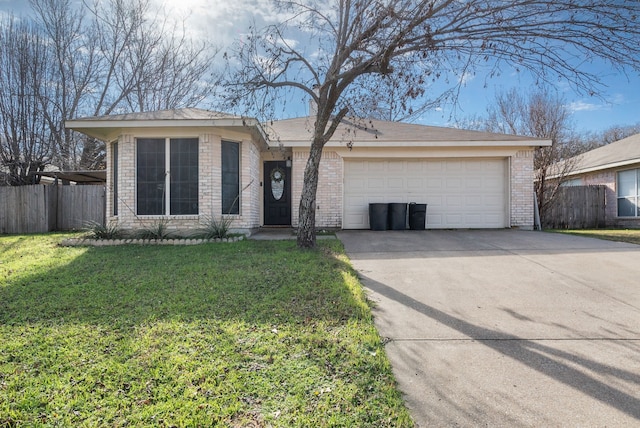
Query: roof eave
point(610, 165)
point(110, 130)
point(174, 123)
point(400, 144)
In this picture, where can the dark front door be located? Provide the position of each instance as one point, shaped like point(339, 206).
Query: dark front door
point(277, 194)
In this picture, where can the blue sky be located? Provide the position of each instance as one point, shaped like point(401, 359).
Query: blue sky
point(224, 21)
point(617, 104)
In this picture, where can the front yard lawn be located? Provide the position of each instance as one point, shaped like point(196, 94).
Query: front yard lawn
point(631, 236)
point(252, 333)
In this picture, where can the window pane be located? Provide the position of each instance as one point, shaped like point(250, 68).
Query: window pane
point(184, 176)
point(114, 161)
point(627, 183)
point(150, 176)
point(230, 178)
point(627, 207)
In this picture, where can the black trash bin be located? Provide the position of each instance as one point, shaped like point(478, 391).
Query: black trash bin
point(397, 216)
point(417, 216)
point(378, 216)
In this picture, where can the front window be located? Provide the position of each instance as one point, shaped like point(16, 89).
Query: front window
point(628, 190)
point(167, 184)
point(230, 178)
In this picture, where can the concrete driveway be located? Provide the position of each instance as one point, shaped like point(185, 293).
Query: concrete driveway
point(507, 328)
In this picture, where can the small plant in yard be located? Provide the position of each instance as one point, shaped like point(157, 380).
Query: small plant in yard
point(98, 230)
point(213, 228)
point(157, 230)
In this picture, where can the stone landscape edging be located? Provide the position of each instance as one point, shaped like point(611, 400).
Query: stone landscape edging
point(90, 242)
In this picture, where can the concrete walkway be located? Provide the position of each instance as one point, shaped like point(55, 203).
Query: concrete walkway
point(281, 233)
point(507, 328)
point(273, 233)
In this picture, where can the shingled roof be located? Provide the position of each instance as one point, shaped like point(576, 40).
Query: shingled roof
point(297, 132)
point(173, 114)
point(617, 154)
point(107, 128)
point(370, 132)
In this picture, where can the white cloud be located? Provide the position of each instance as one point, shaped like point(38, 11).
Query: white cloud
point(221, 22)
point(466, 77)
point(584, 106)
point(617, 99)
point(289, 42)
point(614, 100)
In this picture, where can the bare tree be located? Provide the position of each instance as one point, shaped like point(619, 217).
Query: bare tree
point(592, 140)
point(386, 99)
point(351, 42)
point(541, 114)
point(26, 145)
point(116, 55)
point(94, 59)
point(71, 66)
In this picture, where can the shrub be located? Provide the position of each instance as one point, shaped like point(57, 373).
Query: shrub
point(157, 230)
point(98, 230)
point(215, 228)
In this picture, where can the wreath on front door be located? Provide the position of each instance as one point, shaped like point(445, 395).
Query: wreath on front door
point(277, 175)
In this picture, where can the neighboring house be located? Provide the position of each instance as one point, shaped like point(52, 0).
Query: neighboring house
point(188, 164)
point(616, 166)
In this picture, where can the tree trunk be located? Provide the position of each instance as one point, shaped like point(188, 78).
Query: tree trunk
point(307, 211)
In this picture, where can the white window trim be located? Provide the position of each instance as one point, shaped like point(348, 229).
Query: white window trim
point(636, 196)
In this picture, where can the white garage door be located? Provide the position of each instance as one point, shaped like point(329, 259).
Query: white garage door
point(459, 193)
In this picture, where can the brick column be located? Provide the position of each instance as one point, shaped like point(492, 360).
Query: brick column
point(522, 200)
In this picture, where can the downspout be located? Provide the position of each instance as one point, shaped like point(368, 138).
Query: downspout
point(536, 213)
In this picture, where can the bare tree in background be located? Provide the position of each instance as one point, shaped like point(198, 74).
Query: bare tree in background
point(97, 58)
point(26, 145)
point(592, 140)
point(386, 99)
point(349, 43)
point(117, 56)
point(540, 114)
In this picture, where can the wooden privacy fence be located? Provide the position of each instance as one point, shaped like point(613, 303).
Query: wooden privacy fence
point(40, 208)
point(576, 207)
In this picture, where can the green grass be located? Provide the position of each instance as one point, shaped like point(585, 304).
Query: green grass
point(254, 333)
point(631, 236)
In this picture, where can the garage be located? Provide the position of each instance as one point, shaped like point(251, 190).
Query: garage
point(459, 193)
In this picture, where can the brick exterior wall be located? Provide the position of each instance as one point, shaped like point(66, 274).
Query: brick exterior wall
point(522, 202)
point(209, 175)
point(608, 178)
point(250, 165)
point(329, 195)
point(209, 186)
point(329, 203)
